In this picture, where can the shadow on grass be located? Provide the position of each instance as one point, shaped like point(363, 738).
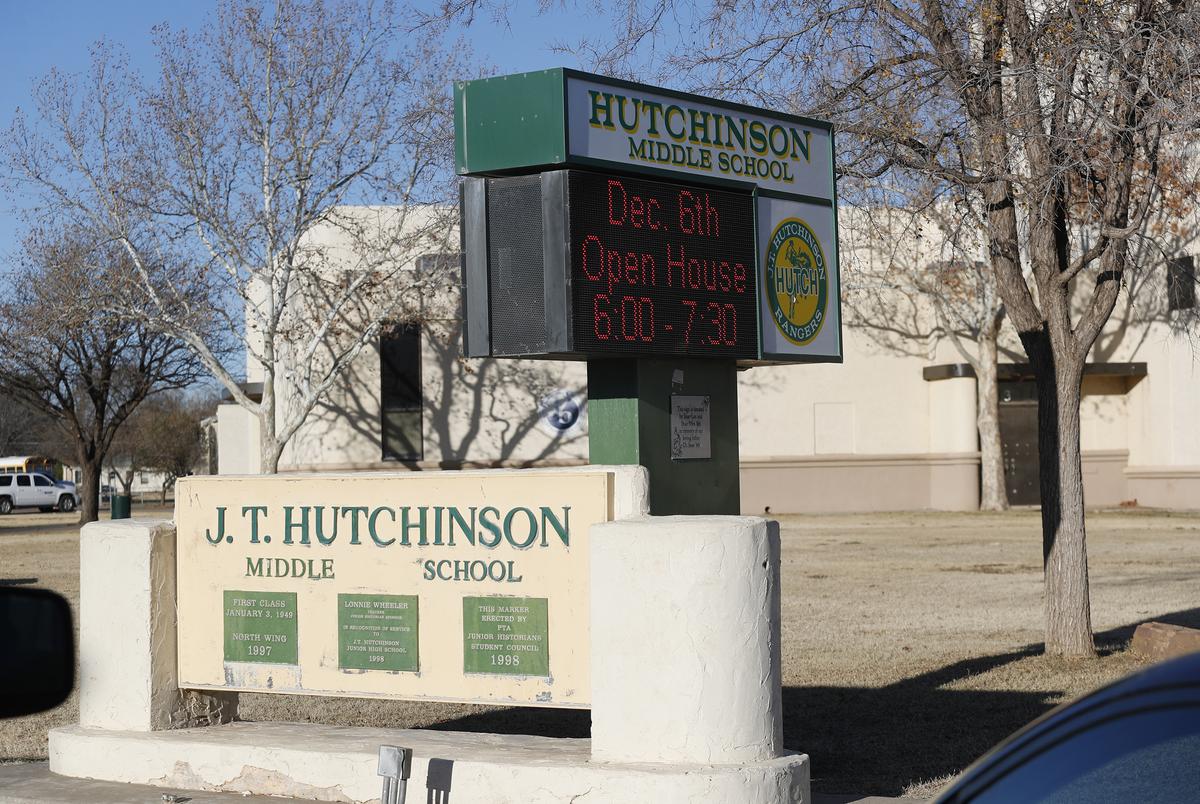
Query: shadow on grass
point(871, 740)
point(32, 527)
point(879, 740)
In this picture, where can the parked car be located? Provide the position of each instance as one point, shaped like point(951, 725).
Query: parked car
point(37, 665)
point(1135, 740)
point(34, 490)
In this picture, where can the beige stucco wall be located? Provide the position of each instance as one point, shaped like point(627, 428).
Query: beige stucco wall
point(476, 412)
point(1156, 418)
point(867, 433)
point(1104, 414)
point(1104, 482)
point(1164, 428)
point(873, 403)
point(861, 483)
point(238, 448)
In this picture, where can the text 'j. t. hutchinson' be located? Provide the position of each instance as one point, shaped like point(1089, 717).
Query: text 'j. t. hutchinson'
point(440, 532)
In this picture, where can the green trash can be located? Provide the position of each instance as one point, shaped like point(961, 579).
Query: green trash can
point(120, 505)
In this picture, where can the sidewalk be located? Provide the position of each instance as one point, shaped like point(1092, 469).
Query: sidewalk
point(33, 783)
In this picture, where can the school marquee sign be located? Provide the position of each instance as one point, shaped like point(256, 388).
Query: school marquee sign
point(448, 586)
point(782, 163)
point(697, 136)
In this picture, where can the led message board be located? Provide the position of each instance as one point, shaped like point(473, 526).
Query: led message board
point(661, 268)
point(574, 264)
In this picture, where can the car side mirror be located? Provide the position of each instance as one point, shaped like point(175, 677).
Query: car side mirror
point(37, 664)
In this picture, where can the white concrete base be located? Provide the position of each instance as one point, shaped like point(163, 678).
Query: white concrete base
point(127, 634)
point(330, 763)
point(685, 666)
point(686, 640)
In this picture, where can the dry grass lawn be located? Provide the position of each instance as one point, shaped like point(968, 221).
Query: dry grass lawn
point(910, 640)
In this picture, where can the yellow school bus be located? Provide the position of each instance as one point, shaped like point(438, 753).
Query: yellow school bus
point(32, 463)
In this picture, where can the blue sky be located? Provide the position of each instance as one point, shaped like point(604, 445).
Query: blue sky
point(35, 36)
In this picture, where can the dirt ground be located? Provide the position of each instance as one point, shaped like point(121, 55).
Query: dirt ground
point(910, 641)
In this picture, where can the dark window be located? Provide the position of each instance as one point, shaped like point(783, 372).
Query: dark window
point(1181, 283)
point(400, 392)
point(41, 480)
point(5, 480)
point(22, 480)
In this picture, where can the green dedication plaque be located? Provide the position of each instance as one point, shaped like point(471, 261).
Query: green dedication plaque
point(260, 627)
point(506, 635)
point(377, 632)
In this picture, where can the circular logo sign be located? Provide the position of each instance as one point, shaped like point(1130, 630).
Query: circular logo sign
point(563, 415)
point(561, 412)
point(796, 284)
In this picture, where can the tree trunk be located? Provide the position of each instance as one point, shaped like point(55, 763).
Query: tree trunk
point(993, 491)
point(1064, 544)
point(270, 448)
point(89, 508)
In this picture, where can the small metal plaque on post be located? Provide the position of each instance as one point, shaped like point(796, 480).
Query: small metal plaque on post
point(691, 429)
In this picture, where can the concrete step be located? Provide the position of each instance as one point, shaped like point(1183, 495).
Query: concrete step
point(33, 783)
point(337, 763)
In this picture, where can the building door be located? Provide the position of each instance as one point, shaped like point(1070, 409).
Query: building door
point(1018, 441)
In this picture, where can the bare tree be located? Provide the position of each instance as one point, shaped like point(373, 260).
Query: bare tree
point(1054, 116)
point(471, 412)
point(492, 407)
point(913, 277)
point(502, 402)
point(68, 356)
point(29, 431)
point(125, 459)
point(163, 436)
point(243, 157)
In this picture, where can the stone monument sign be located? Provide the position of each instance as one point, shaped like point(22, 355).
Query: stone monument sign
point(447, 586)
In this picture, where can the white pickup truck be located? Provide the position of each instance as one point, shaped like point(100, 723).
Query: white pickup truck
point(32, 490)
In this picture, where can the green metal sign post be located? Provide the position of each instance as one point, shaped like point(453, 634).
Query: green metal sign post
point(631, 421)
point(667, 239)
